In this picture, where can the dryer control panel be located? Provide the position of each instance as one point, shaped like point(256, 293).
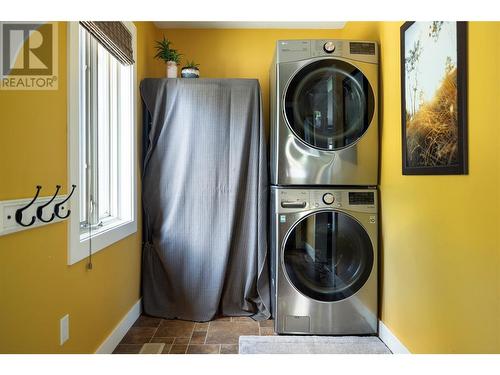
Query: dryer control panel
point(296, 50)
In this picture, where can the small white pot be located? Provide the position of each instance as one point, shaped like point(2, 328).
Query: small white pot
point(171, 69)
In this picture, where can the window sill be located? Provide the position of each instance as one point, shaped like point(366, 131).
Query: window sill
point(101, 239)
point(106, 225)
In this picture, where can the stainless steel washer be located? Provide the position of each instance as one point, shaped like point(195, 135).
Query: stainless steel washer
point(324, 117)
point(324, 260)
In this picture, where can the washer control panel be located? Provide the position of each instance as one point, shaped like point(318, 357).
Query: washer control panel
point(296, 200)
point(326, 198)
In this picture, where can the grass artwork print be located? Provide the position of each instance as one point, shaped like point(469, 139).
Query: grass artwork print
point(433, 97)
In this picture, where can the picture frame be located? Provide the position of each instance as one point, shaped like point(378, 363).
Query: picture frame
point(434, 98)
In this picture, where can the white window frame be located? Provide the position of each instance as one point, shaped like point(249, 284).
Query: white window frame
point(79, 246)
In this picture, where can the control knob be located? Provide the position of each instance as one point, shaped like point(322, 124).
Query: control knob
point(328, 198)
point(329, 47)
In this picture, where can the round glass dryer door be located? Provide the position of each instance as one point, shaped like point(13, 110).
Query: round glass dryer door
point(328, 256)
point(329, 104)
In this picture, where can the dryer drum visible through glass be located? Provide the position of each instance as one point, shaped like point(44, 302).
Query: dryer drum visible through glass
point(329, 104)
point(328, 256)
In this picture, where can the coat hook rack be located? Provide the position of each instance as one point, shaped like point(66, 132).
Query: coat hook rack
point(60, 205)
point(36, 211)
point(39, 210)
point(19, 212)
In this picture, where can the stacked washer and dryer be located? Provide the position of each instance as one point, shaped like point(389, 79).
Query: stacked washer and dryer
point(324, 174)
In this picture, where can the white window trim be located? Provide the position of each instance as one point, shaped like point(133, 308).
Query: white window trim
point(77, 249)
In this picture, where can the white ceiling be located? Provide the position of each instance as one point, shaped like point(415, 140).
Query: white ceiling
point(247, 25)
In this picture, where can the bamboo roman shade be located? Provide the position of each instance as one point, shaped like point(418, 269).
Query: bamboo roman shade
point(115, 37)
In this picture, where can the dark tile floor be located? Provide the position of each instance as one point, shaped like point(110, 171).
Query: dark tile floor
point(151, 335)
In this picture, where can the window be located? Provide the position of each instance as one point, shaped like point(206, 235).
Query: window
point(101, 145)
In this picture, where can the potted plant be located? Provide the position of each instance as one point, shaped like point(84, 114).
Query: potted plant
point(171, 56)
point(190, 70)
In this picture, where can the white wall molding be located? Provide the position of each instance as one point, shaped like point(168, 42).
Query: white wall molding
point(121, 329)
point(390, 339)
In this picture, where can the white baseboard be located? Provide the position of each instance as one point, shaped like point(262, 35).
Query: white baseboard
point(128, 320)
point(390, 340)
point(121, 329)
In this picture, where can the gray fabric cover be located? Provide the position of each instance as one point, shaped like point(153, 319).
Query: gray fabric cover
point(205, 190)
point(312, 345)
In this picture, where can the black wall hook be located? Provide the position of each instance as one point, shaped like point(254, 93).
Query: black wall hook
point(58, 205)
point(39, 210)
point(19, 212)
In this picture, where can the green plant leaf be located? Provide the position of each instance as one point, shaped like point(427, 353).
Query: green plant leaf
point(191, 64)
point(165, 52)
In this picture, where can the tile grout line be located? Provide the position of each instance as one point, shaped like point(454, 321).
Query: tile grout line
point(192, 333)
point(190, 338)
point(156, 330)
point(208, 328)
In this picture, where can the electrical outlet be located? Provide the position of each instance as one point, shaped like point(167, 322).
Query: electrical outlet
point(64, 329)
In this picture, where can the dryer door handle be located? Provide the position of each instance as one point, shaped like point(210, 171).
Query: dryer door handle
point(293, 204)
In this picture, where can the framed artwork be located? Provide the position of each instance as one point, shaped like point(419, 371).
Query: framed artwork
point(434, 97)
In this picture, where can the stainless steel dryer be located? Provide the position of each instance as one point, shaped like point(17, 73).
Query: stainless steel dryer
point(324, 117)
point(324, 261)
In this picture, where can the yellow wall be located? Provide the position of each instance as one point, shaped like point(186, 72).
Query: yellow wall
point(440, 255)
point(37, 287)
point(440, 234)
point(248, 53)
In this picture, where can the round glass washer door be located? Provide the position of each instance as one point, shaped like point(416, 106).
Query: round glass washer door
point(328, 256)
point(329, 104)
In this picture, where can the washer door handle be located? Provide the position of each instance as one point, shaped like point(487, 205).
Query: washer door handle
point(285, 204)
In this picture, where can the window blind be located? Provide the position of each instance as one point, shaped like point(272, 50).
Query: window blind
point(115, 37)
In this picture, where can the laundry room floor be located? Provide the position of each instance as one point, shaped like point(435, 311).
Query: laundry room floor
point(151, 335)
